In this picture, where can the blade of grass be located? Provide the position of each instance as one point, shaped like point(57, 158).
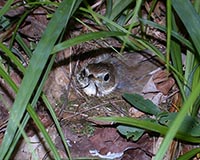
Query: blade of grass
point(153, 5)
point(151, 126)
point(176, 51)
point(25, 119)
point(197, 5)
point(154, 50)
point(57, 124)
point(133, 21)
point(6, 7)
point(35, 68)
point(92, 30)
point(195, 81)
point(169, 30)
point(175, 35)
point(22, 17)
point(89, 9)
point(94, 14)
point(177, 122)
point(189, 64)
point(109, 5)
point(190, 154)
point(176, 58)
point(12, 57)
point(6, 77)
point(118, 8)
point(114, 27)
point(84, 38)
point(9, 81)
point(44, 132)
point(190, 19)
point(52, 113)
point(23, 45)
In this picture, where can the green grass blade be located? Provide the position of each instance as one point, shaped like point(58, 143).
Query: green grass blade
point(21, 42)
point(109, 5)
point(21, 127)
point(6, 7)
point(26, 118)
point(175, 35)
point(177, 123)
point(153, 5)
point(144, 124)
point(35, 68)
point(176, 51)
point(20, 21)
point(44, 132)
point(10, 82)
point(189, 69)
point(84, 38)
point(94, 14)
point(17, 136)
point(190, 19)
point(118, 8)
point(7, 78)
point(45, 100)
point(12, 57)
point(169, 30)
point(115, 27)
point(190, 154)
point(134, 19)
point(152, 49)
point(176, 58)
point(197, 5)
point(56, 123)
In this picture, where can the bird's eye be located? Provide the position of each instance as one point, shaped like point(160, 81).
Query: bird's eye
point(83, 73)
point(106, 77)
point(91, 76)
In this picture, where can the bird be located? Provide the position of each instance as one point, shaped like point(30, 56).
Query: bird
point(107, 74)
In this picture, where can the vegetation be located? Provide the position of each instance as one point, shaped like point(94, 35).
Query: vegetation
point(120, 19)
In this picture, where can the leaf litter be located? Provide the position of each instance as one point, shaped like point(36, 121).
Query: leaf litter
point(74, 109)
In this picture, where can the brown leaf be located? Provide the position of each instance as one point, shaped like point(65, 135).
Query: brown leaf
point(165, 86)
point(160, 76)
point(108, 141)
point(35, 24)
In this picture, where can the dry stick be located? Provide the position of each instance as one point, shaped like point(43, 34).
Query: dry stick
point(67, 88)
point(3, 126)
point(97, 106)
point(118, 109)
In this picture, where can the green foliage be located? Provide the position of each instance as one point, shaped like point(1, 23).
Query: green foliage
point(187, 80)
point(190, 19)
point(190, 126)
point(190, 154)
point(140, 103)
point(119, 20)
point(84, 38)
point(31, 77)
point(132, 133)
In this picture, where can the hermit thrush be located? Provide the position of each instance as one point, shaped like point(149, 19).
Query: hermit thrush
point(105, 74)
